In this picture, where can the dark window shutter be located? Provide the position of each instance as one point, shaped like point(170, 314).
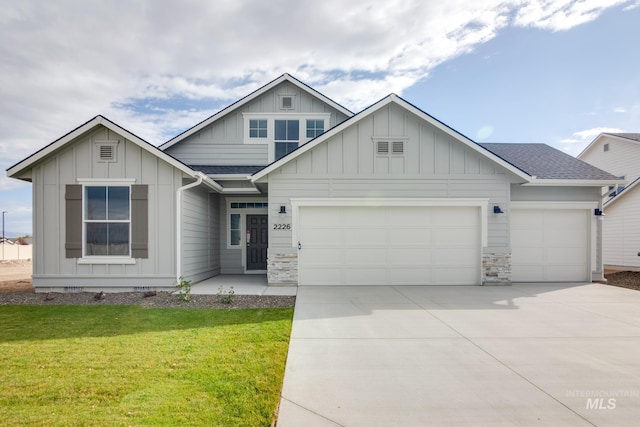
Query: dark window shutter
point(139, 221)
point(73, 226)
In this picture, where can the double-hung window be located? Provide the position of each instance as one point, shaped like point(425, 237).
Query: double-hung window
point(107, 221)
point(287, 137)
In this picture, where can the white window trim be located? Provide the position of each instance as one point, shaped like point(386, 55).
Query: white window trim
point(243, 221)
point(101, 182)
point(272, 117)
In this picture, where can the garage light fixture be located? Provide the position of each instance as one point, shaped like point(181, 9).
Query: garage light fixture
point(283, 210)
point(598, 212)
point(497, 210)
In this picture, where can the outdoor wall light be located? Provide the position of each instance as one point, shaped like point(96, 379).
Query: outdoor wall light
point(283, 210)
point(598, 212)
point(497, 210)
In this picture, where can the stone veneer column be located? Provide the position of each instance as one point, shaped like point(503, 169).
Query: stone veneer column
point(282, 269)
point(496, 268)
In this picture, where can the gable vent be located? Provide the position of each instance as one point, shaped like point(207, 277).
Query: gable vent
point(383, 147)
point(107, 152)
point(397, 147)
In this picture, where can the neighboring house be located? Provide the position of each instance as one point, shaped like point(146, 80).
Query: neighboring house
point(288, 183)
point(619, 153)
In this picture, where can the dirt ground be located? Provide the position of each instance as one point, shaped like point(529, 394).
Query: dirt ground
point(15, 276)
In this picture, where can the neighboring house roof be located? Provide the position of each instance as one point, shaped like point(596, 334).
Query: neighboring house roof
point(224, 170)
point(27, 163)
point(545, 162)
point(629, 137)
point(253, 95)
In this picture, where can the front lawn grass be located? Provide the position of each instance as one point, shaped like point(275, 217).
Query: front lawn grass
point(127, 365)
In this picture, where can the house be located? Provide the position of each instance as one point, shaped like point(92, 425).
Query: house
point(619, 153)
point(288, 183)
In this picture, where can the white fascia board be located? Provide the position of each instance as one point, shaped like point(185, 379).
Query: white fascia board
point(231, 190)
point(573, 182)
point(392, 98)
point(549, 205)
point(624, 192)
point(100, 120)
point(230, 177)
point(253, 95)
point(44, 152)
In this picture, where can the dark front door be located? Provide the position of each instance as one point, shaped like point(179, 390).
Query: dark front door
point(257, 242)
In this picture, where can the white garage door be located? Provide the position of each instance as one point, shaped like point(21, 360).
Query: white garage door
point(349, 245)
point(549, 245)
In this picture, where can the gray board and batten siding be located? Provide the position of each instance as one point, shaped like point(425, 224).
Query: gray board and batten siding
point(223, 143)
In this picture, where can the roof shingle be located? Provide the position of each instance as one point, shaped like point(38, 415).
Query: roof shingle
point(545, 162)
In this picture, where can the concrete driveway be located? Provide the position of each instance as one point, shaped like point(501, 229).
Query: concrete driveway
point(543, 355)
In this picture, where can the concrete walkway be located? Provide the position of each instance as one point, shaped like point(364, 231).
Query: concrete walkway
point(243, 284)
point(527, 355)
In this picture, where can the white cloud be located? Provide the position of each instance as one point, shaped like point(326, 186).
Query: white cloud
point(619, 110)
point(579, 140)
point(63, 62)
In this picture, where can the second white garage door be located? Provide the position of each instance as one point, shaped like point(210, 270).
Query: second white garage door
point(392, 245)
point(549, 245)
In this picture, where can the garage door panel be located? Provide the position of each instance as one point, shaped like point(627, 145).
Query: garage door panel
point(319, 217)
point(457, 256)
point(320, 236)
point(365, 276)
point(390, 245)
point(455, 217)
point(409, 216)
point(411, 237)
point(363, 217)
point(364, 236)
point(315, 257)
point(411, 276)
point(364, 257)
point(410, 256)
point(455, 237)
point(521, 238)
point(454, 276)
point(549, 245)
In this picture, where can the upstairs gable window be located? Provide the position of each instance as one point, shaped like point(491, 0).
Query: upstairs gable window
point(287, 137)
point(257, 128)
point(315, 128)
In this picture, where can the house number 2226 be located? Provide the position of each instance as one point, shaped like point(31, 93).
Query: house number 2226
point(282, 226)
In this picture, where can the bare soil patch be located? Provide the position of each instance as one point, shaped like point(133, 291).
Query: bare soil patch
point(16, 289)
point(624, 279)
point(15, 275)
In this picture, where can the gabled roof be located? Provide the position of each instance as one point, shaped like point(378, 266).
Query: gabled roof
point(545, 162)
point(390, 99)
point(98, 120)
point(253, 95)
point(628, 137)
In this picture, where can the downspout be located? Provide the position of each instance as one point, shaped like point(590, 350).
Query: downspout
point(179, 224)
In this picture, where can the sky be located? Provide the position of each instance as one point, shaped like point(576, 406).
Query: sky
point(553, 71)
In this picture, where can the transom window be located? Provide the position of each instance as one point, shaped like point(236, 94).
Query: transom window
point(315, 128)
point(257, 128)
point(107, 220)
